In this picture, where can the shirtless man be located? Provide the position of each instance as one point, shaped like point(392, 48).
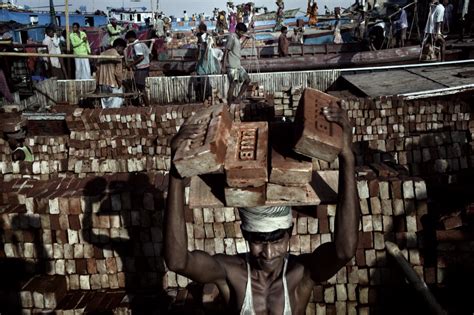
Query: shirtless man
point(266, 280)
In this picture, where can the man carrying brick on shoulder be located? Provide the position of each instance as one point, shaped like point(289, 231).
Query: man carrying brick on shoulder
point(231, 63)
point(267, 279)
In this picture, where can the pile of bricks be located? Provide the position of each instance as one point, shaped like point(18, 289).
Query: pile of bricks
point(428, 137)
point(123, 140)
point(286, 101)
point(94, 233)
point(254, 175)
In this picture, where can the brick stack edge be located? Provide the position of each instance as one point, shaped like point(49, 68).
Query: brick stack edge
point(429, 139)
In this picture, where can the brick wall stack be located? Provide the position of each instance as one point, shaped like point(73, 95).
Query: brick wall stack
point(426, 136)
point(83, 234)
point(287, 101)
point(123, 140)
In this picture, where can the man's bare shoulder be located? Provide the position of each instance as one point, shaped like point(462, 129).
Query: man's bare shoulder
point(231, 260)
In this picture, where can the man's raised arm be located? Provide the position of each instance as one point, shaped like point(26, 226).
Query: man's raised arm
point(328, 258)
point(197, 265)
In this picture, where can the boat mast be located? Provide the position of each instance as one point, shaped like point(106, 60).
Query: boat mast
point(52, 13)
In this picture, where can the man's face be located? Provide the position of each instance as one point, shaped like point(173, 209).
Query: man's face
point(270, 255)
point(131, 40)
point(120, 50)
point(113, 22)
point(75, 28)
point(50, 33)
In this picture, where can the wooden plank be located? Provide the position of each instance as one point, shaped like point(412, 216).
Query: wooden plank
point(391, 82)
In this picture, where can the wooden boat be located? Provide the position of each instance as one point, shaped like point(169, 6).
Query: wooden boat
point(306, 57)
point(291, 13)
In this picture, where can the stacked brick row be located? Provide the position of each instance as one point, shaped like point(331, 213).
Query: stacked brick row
point(287, 101)
point(426, 136)
point(50, 158)
point(96, 233)
point(391, 209)
point(123, 140)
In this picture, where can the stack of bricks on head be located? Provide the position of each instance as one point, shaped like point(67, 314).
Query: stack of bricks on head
point(263, 164)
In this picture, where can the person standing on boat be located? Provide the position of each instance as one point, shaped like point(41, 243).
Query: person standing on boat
point(221, 24)
point(140, 55)
point(232, 17)
point(434, 25)
point(283, 42)
point(401, 26)
point(235, 72)
point(114, 30)
point(312, 12)
point(160, 27)
point(110, 75)
point(186, 17)
point(280, 15)
point(52, 41)
point(80, 47)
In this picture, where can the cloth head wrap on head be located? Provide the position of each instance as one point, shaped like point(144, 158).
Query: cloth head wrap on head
point(265, 219)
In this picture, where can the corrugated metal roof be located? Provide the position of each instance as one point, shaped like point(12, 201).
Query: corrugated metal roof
point(407, 81)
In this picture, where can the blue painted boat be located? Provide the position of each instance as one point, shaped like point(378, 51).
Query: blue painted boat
point(43, 18)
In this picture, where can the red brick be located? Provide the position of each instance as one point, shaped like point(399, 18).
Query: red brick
point(206, 153)
point(287, 167)
point(317, 137)
point(360, 257)
point(246, 158)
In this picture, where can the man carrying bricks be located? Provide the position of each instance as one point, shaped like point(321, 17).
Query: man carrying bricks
point(266, 279)
point(231, 63)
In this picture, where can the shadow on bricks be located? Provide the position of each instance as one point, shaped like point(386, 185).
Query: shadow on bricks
point(16, 272)
point(130, 208)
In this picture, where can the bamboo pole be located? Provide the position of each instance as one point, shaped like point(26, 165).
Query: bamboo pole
point(418, 283)
point(66, 13)
point(15, 54)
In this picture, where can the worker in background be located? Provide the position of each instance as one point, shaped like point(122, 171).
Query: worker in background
point(448, 16)
point(401, 26)
point(139, 54)
point(433, 38)
point(81, 47)
point(186, 17)
point(232, 16)
point(115, 31)
point(52, 41)
point(221, 24)
point(463, 16)
point(20, 151)
point(160, 27)
point(280, 15)
point(109, 75)
point(312, 12)
point(283, 42)
point(231, 64)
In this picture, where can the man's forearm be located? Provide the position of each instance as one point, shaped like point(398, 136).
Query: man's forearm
point(176, 244)
point(347, 214)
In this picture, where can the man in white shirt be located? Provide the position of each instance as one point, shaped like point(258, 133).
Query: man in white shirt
point(433, 27)
point(401, 25)
point(52, 41)
point(140, 64)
